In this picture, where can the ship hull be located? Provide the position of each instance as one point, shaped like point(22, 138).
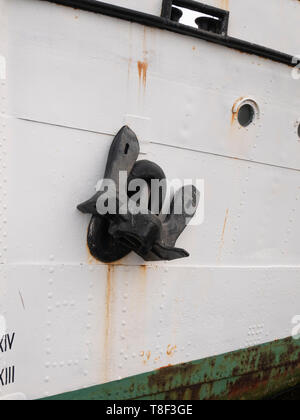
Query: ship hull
point(70, 80)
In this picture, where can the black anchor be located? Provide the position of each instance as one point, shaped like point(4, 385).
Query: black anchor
point(153, 237)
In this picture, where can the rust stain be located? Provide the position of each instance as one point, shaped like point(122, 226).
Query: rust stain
point(194, 48)
point(255, 373)
point(143, 269)
point(143, 64)
point(143, 68)
point(224, 4)
point(129, 67)
point(170, 350)
point(165, 367)
point(233, 117)
point(143, 283)
point(223, 234)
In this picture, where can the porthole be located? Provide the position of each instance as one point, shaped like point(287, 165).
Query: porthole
point(245, 111)
point(246, 115)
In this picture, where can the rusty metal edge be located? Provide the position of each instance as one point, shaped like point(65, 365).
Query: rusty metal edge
point(254, 373)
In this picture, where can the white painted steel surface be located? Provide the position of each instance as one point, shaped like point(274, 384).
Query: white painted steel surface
point(147, 6)
point(71, 80)
point(272, 23)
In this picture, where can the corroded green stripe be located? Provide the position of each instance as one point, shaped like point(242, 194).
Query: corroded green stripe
point(252, 373)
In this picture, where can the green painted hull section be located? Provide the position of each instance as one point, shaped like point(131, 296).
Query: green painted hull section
point(255, 373)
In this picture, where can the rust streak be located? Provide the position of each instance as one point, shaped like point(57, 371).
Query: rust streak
point(164, 367)
point(235, 113)
point(22, 300)
point(143, 64)
point(233, 117)
point(225, 223)
point(223, 234)
point(143, 280)
point(108, 294)
point(142, 68)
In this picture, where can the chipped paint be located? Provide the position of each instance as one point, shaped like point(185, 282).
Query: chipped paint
point(235, 110)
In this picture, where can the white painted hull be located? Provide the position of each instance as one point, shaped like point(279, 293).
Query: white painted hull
point(71, 81)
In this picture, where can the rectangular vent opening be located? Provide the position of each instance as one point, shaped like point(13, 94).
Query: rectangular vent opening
point(196, 15)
